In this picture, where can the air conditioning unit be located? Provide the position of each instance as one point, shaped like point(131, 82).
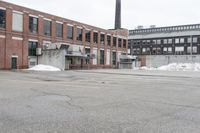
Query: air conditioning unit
point(38, 51)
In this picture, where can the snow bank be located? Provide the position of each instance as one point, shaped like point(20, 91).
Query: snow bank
point(181, 67)
point(44, 68)
point(176, 67)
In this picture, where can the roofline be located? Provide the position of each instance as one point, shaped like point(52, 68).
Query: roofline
point(48, 14)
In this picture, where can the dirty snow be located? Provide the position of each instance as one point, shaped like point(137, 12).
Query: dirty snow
point(176, 67)
point(44, 68)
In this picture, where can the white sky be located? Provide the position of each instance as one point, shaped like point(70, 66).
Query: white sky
point(101, 13)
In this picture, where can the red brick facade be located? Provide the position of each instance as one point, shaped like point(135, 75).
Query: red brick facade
point(15, 44)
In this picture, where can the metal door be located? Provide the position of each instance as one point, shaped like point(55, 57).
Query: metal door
point(14, 63)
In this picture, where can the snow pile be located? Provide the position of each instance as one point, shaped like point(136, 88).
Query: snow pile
point(181, 67)
point(44, 68)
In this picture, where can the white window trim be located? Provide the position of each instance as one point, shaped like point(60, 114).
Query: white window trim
point(30, 15)
point(47, 19)
point(17, 38)
point(18, 12)
point(79, 27)
point(59, 22)
point(70, 25)
point(2, 8)
point(45, 42)
point(2, 36)
point(32, 40)
point(14, 56)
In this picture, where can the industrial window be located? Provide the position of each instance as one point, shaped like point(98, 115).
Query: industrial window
point(169, 41)
point(87, 36)
point(167, 50)
point(79, 34)
point(87, 52)
point(102, 38)
point(95, 37)
point(158, 41)
point(59, 30)
point(124, 43)
point(194, 49)
point(194, 40)
point(33, 25)
point(17, 22)
point(32, 48)
point(179, 50)
point(70, 32)
point(2, 18)
point(119, 42)
point(182, 40)
point(47, 27)
point(114, 41)
point(165, 41)
point(101, 57)
point(108, 40)
point(154, 41)
point(177, 40)
point(114, 58)
point(189, 40)
point(156, 50)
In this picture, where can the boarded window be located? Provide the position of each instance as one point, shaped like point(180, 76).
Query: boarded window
point(17, 22)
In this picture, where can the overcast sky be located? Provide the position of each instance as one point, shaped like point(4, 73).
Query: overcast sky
point(101, 13)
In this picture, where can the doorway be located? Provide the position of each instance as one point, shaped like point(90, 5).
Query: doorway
point(14, 63)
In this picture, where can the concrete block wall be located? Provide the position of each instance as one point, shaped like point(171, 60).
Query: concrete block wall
point(160, 60)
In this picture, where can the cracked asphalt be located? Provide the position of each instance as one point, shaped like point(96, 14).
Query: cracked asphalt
point(99, 101)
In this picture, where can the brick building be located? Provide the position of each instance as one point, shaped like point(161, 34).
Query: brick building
point(156, 46)
point(23, 30)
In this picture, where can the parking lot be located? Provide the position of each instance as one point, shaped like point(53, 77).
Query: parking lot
point(99, 101)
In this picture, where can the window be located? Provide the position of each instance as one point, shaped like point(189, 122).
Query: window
point(33, 25)
point(17, 22)
point(114, 41)
point(2, 18)
point(158, 41)
point(154, 41)
point(189, 40)
point(167, 50)
point(32, 48)
point(144, 50)
point(79, 34)
point(102, 38)
point(70, 32)
point(95, 37)
point(87, 52)
point(114, 57)
point(194, 49)
point(182, 40)
point(177, 40)
point(194, 40)
point(59, 30)
point(179, 50)
point(119, 42)
point(47, 27)
point(169, 41)
point(108, 40)
point(124, 43)
point(165, 41)
point(87, 36)
point(156, 50)
point(101, 57)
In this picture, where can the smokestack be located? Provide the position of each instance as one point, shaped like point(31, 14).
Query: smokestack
point(118, 15)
